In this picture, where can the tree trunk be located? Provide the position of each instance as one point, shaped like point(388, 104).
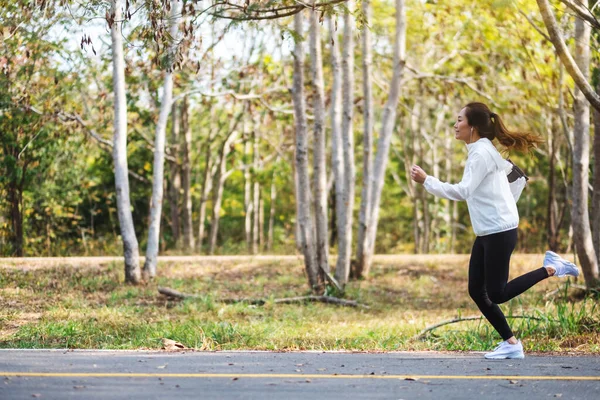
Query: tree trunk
point(261, 223)
point(220, 178)
point(552, 226)
point(337, 155)
point(207, 183)
point(272, 210)
point(342, 271)
point(581, 222)
point(387, 128)
point(175, 177)
point(365, 197)
point(303, 194)
point(256, 186)
point(319, 145)
point(579, 74)
point(248, 205)
point(449, 222)
point(596, 184)
point(186, 178)
point(297, 231)
point(15, 199)
point(130, 243)
point(149, 270)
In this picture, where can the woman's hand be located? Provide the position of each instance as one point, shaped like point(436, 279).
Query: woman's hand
point(417, 174)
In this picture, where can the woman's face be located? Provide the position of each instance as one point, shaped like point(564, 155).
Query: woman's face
point(462, 130)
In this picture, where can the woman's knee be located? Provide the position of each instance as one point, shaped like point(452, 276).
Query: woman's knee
point(496, 296)
point(476, 293)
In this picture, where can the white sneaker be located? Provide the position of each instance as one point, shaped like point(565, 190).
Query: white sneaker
point(562, 266)
point(506, 350)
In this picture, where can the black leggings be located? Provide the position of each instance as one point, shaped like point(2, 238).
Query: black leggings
point(488, 277)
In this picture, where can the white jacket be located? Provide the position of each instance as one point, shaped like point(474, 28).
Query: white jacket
point(485, 187)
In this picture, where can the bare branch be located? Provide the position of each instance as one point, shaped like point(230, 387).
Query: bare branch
point(461, 319)
point(91, 132)
point(565, 56)
point(464, 81)
point(582, 12)
point(241, 12)
point(172, 293)
point(535, 26)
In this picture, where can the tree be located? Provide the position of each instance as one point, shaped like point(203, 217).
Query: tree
point(305, 224)
point(149, 270)
point(365, 196)
point(387, 126)
point(342, 270)
point(320, 174)
point(581, 151)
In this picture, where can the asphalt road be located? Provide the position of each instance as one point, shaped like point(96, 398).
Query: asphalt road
point(59, 374)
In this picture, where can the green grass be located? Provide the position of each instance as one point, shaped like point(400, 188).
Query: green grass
point(90, 307)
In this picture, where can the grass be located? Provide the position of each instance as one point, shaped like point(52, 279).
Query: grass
point(71, 306)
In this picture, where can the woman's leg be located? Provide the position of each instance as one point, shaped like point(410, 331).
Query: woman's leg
point(477, 291)
point(498, 249)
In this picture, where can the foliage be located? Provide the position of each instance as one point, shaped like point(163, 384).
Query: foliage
point(455, 55)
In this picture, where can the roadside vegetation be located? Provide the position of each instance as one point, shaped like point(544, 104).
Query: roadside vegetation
point(79, 307)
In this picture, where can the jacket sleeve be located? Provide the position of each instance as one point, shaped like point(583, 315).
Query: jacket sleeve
point(475, 171)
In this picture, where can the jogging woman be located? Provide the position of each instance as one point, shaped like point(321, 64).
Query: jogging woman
point(494, 218)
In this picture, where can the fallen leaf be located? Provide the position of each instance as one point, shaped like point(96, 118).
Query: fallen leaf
point(411, 379)
point(512, 382)
point(235, 379)
point(172, 345)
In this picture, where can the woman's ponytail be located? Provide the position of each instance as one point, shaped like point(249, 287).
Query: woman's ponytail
point(489, 125)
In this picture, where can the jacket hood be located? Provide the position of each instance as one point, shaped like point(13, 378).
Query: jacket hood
point(486, 145)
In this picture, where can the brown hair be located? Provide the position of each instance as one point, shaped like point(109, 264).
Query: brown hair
point(489, 125)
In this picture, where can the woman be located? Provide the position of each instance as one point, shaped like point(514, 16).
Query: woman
point(494, 218)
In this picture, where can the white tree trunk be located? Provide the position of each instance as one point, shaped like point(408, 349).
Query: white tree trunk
point(387, 128)
point(261, 224)
point(342, 270)
point(186, 178)
point(596, 184)
point(256, 186)
point(220, 178)
point(272, 210)
point(303, 194)
point(319, 144)
point(130, 243)
point(247, 194)
point(207, 182)
point(149, 270)
point(298, 232)
point(175, 177)
point(581, 161)
point(337, 155)
point(365, 197)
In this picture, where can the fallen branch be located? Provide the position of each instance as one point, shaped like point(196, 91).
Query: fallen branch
point(461, 319)
point(323, 299)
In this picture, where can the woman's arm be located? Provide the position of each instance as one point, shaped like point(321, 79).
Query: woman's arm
point(475, 171)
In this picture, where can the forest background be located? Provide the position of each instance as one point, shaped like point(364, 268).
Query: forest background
point(230, 179)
